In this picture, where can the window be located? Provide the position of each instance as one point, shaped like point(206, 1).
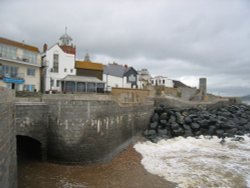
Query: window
point(1, 70)
point(8, 51)
point(71, 70)
point(57, 83)
point(29, 57)
point(9, 71)
point(152, 82)
point(163, 81)
point(65, 70)
point(28, 87)
point(159, 81)
point(55, 62)
point(31, 71)
point(131, 78)
point(70, 86)
point(91, 87)
point(51, 82)
point(13, 72)
point(6, 70)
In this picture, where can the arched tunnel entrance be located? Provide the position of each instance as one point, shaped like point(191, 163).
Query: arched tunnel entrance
point(28, 149)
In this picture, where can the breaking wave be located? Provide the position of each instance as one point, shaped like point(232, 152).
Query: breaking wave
point(201, 162)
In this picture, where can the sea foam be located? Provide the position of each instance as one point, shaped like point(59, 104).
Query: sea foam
point(201, 162)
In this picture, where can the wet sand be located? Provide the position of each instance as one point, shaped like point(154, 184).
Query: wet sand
point(124, 171)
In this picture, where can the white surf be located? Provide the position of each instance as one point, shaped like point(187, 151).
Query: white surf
point(202, 162)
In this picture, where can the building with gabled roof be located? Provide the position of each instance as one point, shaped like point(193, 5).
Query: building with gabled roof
point(58, 62)
point(115, 75)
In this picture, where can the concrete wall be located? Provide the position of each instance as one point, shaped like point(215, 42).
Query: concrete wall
point(32, 121)
point(8, 168)
point(84, 131)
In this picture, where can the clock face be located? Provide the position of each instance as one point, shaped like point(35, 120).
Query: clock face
point(131, 78)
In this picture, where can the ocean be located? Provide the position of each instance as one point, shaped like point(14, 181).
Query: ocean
point(246, 102)
point(202, 162)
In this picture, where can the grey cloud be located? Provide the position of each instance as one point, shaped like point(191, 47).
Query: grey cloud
point(178, 39)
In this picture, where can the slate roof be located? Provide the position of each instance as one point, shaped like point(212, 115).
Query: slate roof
point(116, 70)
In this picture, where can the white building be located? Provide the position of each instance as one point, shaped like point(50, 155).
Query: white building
point(143, 78)
point(162, 81)
point(58, 61)
point(19, 66)
point(115, 75)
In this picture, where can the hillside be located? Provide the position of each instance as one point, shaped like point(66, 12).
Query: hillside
point(246, 98)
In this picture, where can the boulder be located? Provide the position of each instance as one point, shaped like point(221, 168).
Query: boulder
point(226, 121)
point(179, 132)
point(175, 126)
point(154, 117)
point(188, 120)
point(162, 131)
point(219, 133)
point(195, 126)
point(164, 116)
point(153, 125)
point(149, 132)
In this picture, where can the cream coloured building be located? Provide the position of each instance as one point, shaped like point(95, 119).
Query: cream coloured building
point(19, 66)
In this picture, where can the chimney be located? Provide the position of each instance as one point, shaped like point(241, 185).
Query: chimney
point(45, 47)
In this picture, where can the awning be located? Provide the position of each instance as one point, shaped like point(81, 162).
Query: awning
point(13, 80)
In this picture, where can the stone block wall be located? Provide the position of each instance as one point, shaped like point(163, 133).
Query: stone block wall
point(86, 131)
point(8, 167)
point(32, 121)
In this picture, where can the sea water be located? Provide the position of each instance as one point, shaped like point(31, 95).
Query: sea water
point(202, 162)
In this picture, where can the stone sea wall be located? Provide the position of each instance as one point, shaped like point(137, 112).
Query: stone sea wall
point(86, 131)
point(83, 128)
point(32, 121)
point(8, 162)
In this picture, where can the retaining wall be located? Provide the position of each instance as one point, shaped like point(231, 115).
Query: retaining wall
point(32, 121)
point(8, 163)
point(86, 131)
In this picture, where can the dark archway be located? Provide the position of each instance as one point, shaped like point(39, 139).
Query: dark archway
point(28, 149)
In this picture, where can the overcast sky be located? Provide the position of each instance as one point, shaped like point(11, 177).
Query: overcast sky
point(180, 39)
